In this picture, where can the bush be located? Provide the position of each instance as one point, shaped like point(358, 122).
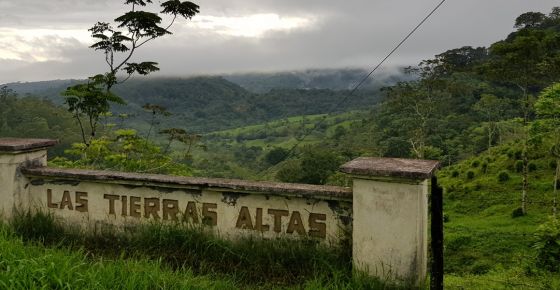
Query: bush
point(276, 155)
point(454, 173)
point(548, 245)
point(518, 166)
point(552, 164)
point(475, 164)
point(518, 212)
point(510, 154)
point(484, 167)
point(518, 154)
point(470, 174)
point(532, 166)
point(503, 176)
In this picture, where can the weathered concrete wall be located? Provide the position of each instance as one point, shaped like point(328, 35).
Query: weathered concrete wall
point(231, 207)
point(391, 193)
point(19, 153)
point(383, 204)
point(385, 213)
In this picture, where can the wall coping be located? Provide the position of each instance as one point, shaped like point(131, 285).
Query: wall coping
point(391, 167)
point(24, 145)
point(220, 184)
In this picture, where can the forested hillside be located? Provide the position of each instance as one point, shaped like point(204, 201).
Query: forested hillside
point(205, 104)
point(333, 79)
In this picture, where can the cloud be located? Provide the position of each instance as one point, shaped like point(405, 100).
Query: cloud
point(49, 39)
point(37, 45)
point(255, 25)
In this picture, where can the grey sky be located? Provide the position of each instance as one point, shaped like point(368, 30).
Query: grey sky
point(43, 40)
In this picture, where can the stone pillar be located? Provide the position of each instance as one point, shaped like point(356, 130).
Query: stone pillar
point(15, 153)
point(390, 217)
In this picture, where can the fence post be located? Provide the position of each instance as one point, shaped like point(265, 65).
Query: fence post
point(14, 153)
point(390, 217)
point(436, 277)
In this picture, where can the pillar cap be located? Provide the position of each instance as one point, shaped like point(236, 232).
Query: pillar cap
point(391, 167)
point(23, 144)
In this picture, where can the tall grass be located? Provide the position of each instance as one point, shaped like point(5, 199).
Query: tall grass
point(180, 252)
point(30, 265)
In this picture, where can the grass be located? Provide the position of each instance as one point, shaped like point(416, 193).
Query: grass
point(37, 251)
point(485, 246)
point(34, 266)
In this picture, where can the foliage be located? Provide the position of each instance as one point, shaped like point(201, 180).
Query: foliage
point(548, 103)
point(276, 155)
point(134, 29)
point(31, 117)
point(482, 238)
point(548, 245)
point(30, 265)
point(503, 176)
point(185, 251)
point(314, 166)
point(122, 150)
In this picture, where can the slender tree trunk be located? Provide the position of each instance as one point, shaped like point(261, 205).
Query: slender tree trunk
point(490, 135)
point(556, 184)
point(525, 152)
point(525, 179)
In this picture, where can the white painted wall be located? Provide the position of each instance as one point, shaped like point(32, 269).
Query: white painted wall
point(390, 228)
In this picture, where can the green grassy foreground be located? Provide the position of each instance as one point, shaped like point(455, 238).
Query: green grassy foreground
point(34, 266)
point(488, 245)
point(37, 252)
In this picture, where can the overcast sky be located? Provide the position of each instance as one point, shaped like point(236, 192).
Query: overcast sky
point(48, 39)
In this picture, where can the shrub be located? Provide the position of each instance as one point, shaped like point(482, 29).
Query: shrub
point(552, 164)
point(481, 267)
point(445, 217)
point(518, 212)
point(475, 163)
point(510, 154)
point(470, 174)
point(518, 166)
point(548, 245)
point(503, 176)
point(454, 173)
point(484, 167)
point(532, 166)
point(518, 154)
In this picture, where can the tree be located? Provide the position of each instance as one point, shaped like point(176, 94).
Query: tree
point(276, 155)
point(529, 20)
point(491, 107)
point(522, 60)
point(7, 98)
point(314, 166)
point(548, 108)
point(119, 44)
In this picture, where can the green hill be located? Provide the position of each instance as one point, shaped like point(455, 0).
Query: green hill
point(204, 104)
point(487, 241)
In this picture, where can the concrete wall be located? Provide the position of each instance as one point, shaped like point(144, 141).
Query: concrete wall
point(230, 212)
point(391, 204)
point(384, 214)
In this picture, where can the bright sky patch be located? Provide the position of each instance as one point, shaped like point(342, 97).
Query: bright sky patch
point(253, 26)
point(37, 45)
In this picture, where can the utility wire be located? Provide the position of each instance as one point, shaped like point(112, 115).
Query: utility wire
point(363, 80)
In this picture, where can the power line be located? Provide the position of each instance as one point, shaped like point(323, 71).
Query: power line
point(363, 80)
